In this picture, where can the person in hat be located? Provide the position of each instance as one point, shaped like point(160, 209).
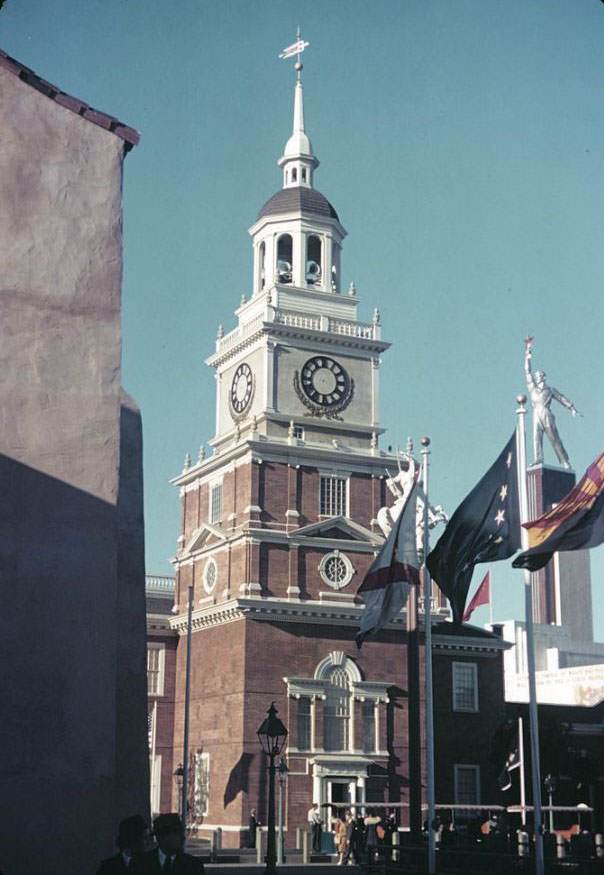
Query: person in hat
point(169, 856)
point(133, 840)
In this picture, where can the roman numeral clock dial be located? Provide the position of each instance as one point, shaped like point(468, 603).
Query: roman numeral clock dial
point(242, 389)
point(323, 386)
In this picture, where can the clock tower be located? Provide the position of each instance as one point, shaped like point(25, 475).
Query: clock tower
point(299, 363)
point(279, 527)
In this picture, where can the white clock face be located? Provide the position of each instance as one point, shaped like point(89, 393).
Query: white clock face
point(324, 381)
point(241, 388)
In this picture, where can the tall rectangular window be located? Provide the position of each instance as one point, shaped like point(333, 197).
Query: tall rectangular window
point(303, 723)
point(336, 710)
point(216, 503)
point(155, 670)
point(333, 496)
point(467, 784)
point(368, 724)
point(465, 686)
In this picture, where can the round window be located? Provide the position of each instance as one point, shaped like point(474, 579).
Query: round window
point(336, 570)
point(210, 575)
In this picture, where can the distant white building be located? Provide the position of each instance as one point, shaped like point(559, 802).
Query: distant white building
point(569, 663)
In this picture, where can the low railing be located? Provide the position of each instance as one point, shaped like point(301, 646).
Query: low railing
point(297, 320)
point(159, 583)
point(238, 334)
point(365, 330)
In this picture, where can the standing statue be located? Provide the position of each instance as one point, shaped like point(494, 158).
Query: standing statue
point(400, 486)
point(541, 396)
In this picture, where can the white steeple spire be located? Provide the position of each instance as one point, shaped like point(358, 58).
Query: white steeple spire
point(298, 160)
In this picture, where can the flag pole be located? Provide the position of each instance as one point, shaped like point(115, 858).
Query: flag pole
point(530, 644)
point(153, 748)
point(521, 758)
point(428, 667)
point(490, 602)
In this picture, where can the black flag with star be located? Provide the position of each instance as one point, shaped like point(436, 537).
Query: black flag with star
point(484, 528)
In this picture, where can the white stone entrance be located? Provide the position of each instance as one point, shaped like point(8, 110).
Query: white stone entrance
point(339, 782)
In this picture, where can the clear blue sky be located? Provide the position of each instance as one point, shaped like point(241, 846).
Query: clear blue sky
point(463, 147)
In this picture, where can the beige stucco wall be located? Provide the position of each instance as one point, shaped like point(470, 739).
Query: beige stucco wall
point(63, 774)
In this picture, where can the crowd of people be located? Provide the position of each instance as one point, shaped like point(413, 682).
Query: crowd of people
point(358, 838)
point(142, 852)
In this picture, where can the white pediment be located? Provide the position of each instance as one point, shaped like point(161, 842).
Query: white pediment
point(339, 527)
point(205, 536)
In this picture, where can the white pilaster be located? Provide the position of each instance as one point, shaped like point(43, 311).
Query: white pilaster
point(269, 376)
point(299, 259)
point(375, 392)
point(218, 378)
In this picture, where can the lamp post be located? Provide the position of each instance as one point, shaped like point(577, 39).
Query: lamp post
point(282, 778)
point(549, 782)
point(272, 735)
point(178, 777)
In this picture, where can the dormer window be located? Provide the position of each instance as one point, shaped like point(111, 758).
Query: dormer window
point(284, 259)
point(313, 260)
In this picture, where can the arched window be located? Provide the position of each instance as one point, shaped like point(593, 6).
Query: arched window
point(336, 721)
point(313, 260)
point(261, 265)
point(284, 259)
point(294, 175)
point(304, 174)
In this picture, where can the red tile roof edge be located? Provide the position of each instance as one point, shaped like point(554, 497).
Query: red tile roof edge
point(108, 122)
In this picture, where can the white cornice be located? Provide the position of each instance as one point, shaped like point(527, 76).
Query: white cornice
point(318, 221)
point(282, 611)
point(319, 339)
point(310, 338)
point(311, 455)
point(486, 646)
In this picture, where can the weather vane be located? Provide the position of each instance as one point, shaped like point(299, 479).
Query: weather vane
point(295, 49)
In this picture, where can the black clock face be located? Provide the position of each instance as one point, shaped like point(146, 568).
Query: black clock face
point(324, 381)
point(241, 388)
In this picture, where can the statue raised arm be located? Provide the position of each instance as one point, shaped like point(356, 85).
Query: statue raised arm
point(544, 422)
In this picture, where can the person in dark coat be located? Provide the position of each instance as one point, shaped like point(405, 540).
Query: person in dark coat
point(371, 839)
point(357, 840)
point(133, 840)
point(169, 856)
point(253, 823)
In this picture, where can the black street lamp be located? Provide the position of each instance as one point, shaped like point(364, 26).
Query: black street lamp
point(272, 735)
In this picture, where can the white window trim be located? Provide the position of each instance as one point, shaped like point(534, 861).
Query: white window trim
point(211, 562)
point(350, 570)
point(476, 770)
point(161, 668)
point(211, 486)
point(455, 706)
point(335, 476)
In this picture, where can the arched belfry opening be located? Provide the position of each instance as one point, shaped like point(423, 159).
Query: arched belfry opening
point(314, 260)
point(284, 259)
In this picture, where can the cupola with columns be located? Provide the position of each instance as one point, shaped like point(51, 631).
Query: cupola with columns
point(298, 359)
point(297, 236)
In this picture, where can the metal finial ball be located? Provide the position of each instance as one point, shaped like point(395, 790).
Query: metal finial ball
point(298, 65)
point(425, 442)
point(521, 399)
